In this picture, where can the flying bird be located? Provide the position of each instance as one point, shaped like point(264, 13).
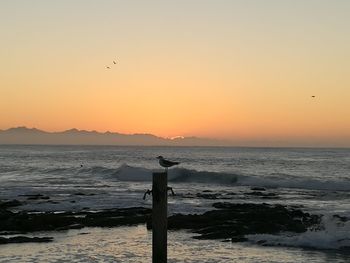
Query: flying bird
point(166, 163)
point(108, 67)
point(114, 62)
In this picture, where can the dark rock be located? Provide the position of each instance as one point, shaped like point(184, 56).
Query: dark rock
point(73, 226)
point(4, 214)
point(24, 239)
point(80, 193)
point(238, 239)
point(345, 248)
point(263, 195)
point(8, 204)
point(29, 222)
point(341, 218)
point(258, 189)
point(261, 242)
point(229, 221)
point(6, 233)
point(208, 196)
point(235, 239)
point(52, 202)
point(233, 221)
point(35, 196)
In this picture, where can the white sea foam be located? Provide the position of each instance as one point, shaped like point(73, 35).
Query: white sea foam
point(334, 234)
point(181, 175)
point(130, 173)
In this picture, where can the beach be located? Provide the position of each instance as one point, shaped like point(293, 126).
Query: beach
point(309, 186)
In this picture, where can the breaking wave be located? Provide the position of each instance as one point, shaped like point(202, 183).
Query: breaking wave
point(182, 175)
point(129, 173)
point(334, 234)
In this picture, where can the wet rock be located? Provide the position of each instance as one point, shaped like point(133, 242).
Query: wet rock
point(258, 189)
point(80, 193)
point(208, 196)
point(4, 214)
point(341, 218)
point(52, 202)
point(233, 221)
point(8, 204)
point(6, 233)
point(235, 239)
point(46, 221)
point(239, 239)
point(261, 194)
point(345, 248)
point(36, 196)
point(24, 239)
point(117, 217)
point(73, 226)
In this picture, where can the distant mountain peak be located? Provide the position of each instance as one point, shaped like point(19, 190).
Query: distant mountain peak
point(23, 129)
point(76, 131)
point(24, 135)
point(73, 130)
point(19, 128)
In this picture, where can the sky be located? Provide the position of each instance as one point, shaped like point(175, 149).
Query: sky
point(239, 70)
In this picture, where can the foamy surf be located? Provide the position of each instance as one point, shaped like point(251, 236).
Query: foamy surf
point(130, 173)
point(182, 175)
point(334, 233)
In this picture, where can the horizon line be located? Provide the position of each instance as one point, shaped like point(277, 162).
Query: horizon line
point(211, 141)
point(113, 132)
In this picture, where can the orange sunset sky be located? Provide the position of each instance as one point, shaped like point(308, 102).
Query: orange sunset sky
point(239, 70)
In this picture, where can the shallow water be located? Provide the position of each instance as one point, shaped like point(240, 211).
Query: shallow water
point(133, 244)
point(110, 177)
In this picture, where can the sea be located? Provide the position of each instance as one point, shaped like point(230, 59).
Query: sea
point(100, 177)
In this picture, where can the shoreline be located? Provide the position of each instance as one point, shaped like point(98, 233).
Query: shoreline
point(227, 222)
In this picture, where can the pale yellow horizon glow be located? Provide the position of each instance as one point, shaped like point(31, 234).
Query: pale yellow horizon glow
point(239, 70)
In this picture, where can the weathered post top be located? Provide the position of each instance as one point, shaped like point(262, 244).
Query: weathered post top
point(159, 217)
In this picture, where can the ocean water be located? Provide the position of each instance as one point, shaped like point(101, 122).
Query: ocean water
point(97, 177)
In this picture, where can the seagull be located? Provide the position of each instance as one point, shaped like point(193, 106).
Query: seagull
point(166, 163)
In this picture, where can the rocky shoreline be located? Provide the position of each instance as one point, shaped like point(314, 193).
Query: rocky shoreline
point(227, 222)
point(233, 221)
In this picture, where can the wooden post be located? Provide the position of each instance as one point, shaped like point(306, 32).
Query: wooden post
point(159, 217)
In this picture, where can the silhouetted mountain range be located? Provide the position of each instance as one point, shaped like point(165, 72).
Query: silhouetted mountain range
point(24, 135)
